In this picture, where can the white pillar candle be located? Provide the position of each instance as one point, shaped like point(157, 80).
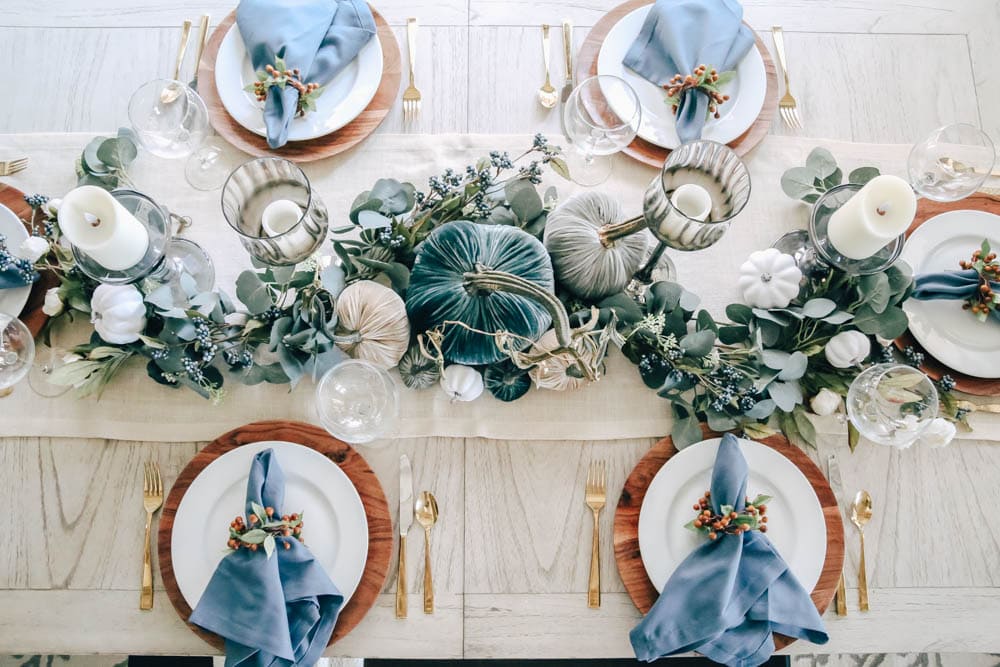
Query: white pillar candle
point(688, 202)
point(279, 216)
point(97, 224)
point(874, 216)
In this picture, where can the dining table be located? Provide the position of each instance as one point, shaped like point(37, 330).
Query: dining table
point(511, 556)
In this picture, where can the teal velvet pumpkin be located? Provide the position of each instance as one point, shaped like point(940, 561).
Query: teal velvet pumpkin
point(441, 290)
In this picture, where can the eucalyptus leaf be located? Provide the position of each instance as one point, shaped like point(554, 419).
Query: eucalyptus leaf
point(254, 294)
point(770, 316)
point(786, 395)
point(818, 308)
point(254, 536)
point(367, 205)
point(839, 317)
point(775, 359)
point(876, 291)
point(269, 545)
point(705, 322)
point(719, 421)
point(396, 197)
point(524, 200)
point(397, 273)
point(730, 335)
point(821, 162)
point(804, 426)
point(663, 297)
point(862, 175)
point(559, 166)
point(798, 182)
point(373, 220)
point(795, 367)
point(117, 153)
point(686, 431)
point(698, 344)
point(762, 409)
point(833, 180)
point(739, 313)
point(889, 324)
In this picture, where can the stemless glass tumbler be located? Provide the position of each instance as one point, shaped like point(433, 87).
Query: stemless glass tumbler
point(357, 401)
point(892, 404)
point(951, 163)
point(17, 352)
point(269, 202)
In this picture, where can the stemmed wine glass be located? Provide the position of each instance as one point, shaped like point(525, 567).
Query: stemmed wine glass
point(892, 404)
point(357, 401)
point(171, 121)
point(17, 352)
point(602, 117)
point(951, 163)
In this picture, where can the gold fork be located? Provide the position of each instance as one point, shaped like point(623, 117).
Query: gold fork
point(595, 499)
point(152, 498)
point(411, 96)
point(11, 167)
point(787, 106)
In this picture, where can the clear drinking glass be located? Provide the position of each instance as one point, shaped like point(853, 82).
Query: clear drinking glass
point(247, 198)
point(17, 352)
point(171, 121)
point(892, 404)
point(48, 359)
point(602, 117)
point(691, 203)
point(357, 401)
point(951, 163)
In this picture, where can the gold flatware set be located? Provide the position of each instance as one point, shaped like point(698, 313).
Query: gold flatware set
point(172, 92)
point(11, 167)
point(425, 510)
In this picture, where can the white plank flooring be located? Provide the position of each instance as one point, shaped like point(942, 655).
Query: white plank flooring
point(511, 552)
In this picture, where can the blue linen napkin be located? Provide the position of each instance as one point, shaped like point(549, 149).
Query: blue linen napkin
point(679, 35)
point(14, 271)
point(271, 611)
point(727, 597)
point(319, 37)
point(950, 285)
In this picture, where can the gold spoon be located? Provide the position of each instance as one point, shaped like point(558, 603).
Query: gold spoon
point(547, 95)
point(173, 90)
point(427, 515)
point(962, 168)
point(861, 513)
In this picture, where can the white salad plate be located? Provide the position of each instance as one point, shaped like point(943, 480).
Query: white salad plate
point(796, 525)
point(341, 101)
point(746, 91)
point(335, 525)
point(949, 334)
point(12, 300)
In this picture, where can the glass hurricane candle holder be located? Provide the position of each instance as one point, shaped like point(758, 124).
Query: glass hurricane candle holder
point(689, 206)
point(892, 404)
point(271, 205)
point(166, 256)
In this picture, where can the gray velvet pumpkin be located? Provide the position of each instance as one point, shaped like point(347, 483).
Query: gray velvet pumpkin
point(585, 262)
point(492, 278)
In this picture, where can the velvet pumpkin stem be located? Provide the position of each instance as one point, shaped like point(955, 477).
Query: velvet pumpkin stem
point(500, 281)
point(608, 234)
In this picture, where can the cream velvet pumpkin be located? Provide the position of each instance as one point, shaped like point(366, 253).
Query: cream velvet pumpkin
point(372, 320)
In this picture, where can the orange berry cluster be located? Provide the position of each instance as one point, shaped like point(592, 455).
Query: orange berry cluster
point(290, 525)
point(699, 79)
point(715, 523)
point(984, 300)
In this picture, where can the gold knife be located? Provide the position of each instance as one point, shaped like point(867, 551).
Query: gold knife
point(202, 38)
point(567, 89)
point(405, 521)
point(837, 485)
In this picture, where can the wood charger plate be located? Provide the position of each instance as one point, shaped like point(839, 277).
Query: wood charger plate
point(927, 209)
point(626, 529)
point(31, 314)
point(314, 149)
point(649, 153)
point(353, 465)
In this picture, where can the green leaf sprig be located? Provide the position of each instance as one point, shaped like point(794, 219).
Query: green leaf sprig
point(985, 300)
point(704, 79)
point(261, 530)
point(105, 160)
point(280, 76)
point(820, 174)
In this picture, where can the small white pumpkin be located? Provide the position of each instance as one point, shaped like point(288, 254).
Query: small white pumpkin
point(582, 261)
point(769, 279)
point(462, 383)
point(372, 318)
point(848, 348)
point(825, 402)
point(118, 313)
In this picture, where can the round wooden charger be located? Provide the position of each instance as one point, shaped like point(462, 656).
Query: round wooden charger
point(353, 465)
point(626, 531)
point(927, 209)
point(314, 149)
point(31, 314)
point(649, 153)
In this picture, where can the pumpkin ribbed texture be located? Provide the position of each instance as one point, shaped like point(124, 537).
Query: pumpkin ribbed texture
point(439, 292)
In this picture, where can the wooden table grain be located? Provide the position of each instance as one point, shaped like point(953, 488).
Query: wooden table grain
point(511, 550)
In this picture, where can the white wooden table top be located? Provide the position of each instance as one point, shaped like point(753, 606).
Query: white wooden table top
point(512, 548)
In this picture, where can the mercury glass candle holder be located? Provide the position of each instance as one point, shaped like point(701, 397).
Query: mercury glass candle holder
point(256, 185)
point(819, 237)
point(166, 257)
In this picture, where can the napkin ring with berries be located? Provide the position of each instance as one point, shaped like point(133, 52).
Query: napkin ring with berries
point(262, 529)
point(705, 79)
point(985, 299)
point(280, 75)
point(728, 521)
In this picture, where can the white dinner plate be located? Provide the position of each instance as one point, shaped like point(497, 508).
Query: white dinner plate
point(795, 517)
point(12, 300)
point(948, 333)
point(342, 100)
point(746, 90)
point(335, 525)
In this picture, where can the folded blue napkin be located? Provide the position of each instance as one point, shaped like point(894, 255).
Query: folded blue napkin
point(679, 35)
point(14, 271)
point(319, 37)
point(951, 285)
point(727, 597)
point(271, 611)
